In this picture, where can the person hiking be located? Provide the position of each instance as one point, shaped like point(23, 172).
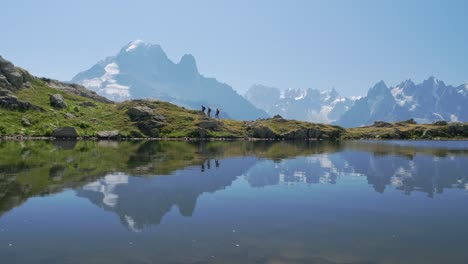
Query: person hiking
point(203, 109)
point(217, 113)
point(209, 112)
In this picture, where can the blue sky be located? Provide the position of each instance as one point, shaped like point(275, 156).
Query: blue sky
point(288, 44)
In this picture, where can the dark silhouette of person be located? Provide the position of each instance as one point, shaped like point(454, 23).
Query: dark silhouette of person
point(209, 112)
point(203, 109)
point(217, 113)
point(208, 164)
point(217, 163)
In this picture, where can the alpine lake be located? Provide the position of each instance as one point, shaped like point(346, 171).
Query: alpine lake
point(266, 202)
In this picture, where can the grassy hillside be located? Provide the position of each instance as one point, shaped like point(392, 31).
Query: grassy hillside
point(35, 107)
point(90, 114)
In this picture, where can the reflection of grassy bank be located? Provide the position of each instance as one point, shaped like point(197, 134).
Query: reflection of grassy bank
point(30, 168)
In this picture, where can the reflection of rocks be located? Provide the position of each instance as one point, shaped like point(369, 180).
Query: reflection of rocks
point(142, 202)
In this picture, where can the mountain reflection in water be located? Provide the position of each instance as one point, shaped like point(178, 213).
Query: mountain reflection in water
point(144, 182)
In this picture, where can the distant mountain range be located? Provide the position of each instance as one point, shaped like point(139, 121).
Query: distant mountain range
point(429, 101)
point(142, 70)
point(311, 104)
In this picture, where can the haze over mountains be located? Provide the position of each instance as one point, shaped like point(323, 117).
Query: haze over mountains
point(310, 104)
point(429, 101)
point(143, 70)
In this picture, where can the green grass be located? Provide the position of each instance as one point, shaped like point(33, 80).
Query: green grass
point(88, 121)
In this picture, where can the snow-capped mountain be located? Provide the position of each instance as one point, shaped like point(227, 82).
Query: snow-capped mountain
point(309, 105)
point(426, 102)
point(143, 70)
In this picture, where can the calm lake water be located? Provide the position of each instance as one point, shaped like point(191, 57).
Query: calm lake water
point(234, 202)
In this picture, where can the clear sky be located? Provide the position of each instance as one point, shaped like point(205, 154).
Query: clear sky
point(288, 44)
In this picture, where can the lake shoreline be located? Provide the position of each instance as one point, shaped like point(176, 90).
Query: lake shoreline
point(29, 138)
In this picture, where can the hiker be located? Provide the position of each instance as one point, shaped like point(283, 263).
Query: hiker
point(209, 112)
point(217, 113)
point(203, 109)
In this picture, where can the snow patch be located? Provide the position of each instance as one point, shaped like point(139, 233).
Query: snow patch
point(134, 45)
point(400, 97)
point(107, 85)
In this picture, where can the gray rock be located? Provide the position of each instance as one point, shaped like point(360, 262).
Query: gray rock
point(12, 75)
point(147, 119)
point(65, 132)
point(112, 134)
point(25, 122)
point(57, 101)
point(69, 116)
point(140, 113)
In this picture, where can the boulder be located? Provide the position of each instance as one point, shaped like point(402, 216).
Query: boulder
point(147, 119)
point(12, 75)
point(57, 101)
point(110, 134)
point(140, 113)
point(65, 132)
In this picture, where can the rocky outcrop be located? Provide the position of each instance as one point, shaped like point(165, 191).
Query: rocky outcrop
point(57, 101)
point(260, 131)
point(65, 132)
point(76, 89)
point(11, 80)
point(147, 119)
point(11, 77)
point(9, 101)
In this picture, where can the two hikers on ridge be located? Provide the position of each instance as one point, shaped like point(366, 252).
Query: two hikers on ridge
point(208, 113)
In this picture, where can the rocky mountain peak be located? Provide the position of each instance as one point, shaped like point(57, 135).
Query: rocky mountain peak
point(379, 89)
point(188, 64)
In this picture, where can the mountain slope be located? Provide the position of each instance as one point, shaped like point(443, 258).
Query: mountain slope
point(141, 70)
point(308, 105)
point(429, 101)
